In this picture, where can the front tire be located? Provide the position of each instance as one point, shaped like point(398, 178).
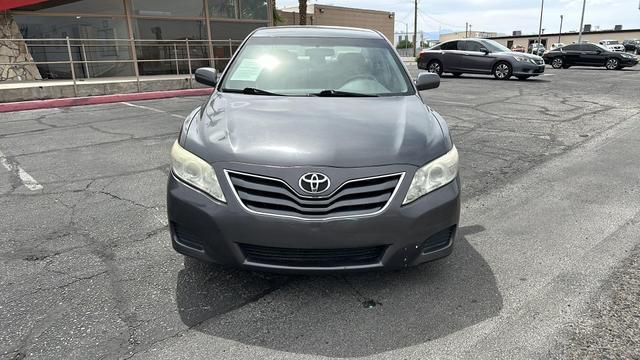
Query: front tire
point(557, 63)
point(612, 64)
point(435, 66)
point(503, 70)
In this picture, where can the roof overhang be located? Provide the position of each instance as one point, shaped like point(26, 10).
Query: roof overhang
point(12, 4)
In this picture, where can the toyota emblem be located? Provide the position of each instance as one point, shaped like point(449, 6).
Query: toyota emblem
point(314, 183)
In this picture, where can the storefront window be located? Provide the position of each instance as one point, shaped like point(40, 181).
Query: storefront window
point(98, 52)
point(225, 30)
point(222, 9)
point(152, 54)
point(253, 9)
point(191, 8)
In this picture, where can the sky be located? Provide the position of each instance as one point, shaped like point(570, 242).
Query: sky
point(498, 16)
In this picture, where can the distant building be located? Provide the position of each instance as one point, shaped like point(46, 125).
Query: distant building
point(567, 37)
point(330, 15)
point(467, 34)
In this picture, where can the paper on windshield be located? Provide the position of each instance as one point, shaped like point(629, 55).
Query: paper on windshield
point(248, 70)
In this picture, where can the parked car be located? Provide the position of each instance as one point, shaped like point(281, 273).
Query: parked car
point(518, 48)
point(589, 55)
point(537, 49)
point(632, 46)
point(556, 46)
point(480, 56)
point(613, 45)
point(302, 165)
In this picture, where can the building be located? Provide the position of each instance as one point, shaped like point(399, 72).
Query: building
point(115, 38)
point(467, 34)
point(330, 15)
point(567, 38)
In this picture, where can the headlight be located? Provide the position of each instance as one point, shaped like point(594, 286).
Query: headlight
point(195, 171)
point(524, 59)
point(434, 175)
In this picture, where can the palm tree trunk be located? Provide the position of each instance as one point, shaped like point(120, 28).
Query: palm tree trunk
point(302, 9)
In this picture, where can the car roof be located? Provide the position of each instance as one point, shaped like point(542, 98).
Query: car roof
point(317, 31)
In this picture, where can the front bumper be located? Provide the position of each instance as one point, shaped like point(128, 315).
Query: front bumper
point(525, 68)
point(224, 233)
point(628, 62)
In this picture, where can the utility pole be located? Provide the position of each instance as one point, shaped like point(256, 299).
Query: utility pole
point(584, 4)
point(466, 30)
point(539, 29)
point(560, 33)
point(415, 26)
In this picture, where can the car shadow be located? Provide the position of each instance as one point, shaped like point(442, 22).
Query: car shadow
point(535, 79)
point(348, 315)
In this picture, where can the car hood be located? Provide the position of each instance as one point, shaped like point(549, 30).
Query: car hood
point(526, 55)
point(315, 131)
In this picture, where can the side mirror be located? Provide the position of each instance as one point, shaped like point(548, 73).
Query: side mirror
point(207, 76)
point(485, 50)
point(427, 80)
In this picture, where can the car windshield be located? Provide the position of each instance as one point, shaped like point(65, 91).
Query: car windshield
point(611, 42)
point(494, 46)
point(322, 66)
point(602, 47)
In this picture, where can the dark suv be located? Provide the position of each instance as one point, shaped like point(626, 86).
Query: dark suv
point(632, 46)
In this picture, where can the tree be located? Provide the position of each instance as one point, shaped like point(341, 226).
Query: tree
point(302, 9)
point(404, 44)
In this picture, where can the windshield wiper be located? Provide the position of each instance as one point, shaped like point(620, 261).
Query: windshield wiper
point(338, 93)
point(252, 91)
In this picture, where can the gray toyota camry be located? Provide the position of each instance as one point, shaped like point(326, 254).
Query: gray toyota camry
point(314, 153)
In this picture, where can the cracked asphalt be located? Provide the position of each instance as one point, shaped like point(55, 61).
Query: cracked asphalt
point(544, 263)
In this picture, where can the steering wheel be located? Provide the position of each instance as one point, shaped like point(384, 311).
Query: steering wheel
point(359, 76)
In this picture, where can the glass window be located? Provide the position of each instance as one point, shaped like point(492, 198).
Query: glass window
point(472, 46)
point(161, 29)
point(494, 46)
point(168, 8)
point(253, 9)
point(111, 7)
point(100, 55)
point(451, 45)
point(169, 57)
point(299, 66)
point(572, 47)
point(225, 30)
point(222, 9)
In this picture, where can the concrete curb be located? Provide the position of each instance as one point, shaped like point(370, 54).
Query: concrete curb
point(101, 99)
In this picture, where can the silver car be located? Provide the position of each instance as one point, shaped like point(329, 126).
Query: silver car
point(480, 56)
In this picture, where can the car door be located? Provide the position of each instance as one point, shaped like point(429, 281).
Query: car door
point(474, 59)
point(571, 54)
point(451, 56)
point(592, 55)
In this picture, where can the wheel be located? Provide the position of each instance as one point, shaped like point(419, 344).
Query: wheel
point(502, 71)
point(457, 74)
point(523, 77)
point(612, 64)
point(557, 63)
point(435, 67)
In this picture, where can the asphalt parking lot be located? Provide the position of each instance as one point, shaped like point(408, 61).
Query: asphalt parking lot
point(545, 259)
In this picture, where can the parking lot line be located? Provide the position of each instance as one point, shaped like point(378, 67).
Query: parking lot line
point(24, 176)
point(152, 109)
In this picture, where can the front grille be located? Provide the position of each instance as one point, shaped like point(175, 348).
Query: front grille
point(312, 257)
point(353, 198)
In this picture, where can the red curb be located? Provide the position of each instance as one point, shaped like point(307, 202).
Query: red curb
point(100, 99)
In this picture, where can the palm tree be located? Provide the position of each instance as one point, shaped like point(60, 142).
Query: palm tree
point(302, 9)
